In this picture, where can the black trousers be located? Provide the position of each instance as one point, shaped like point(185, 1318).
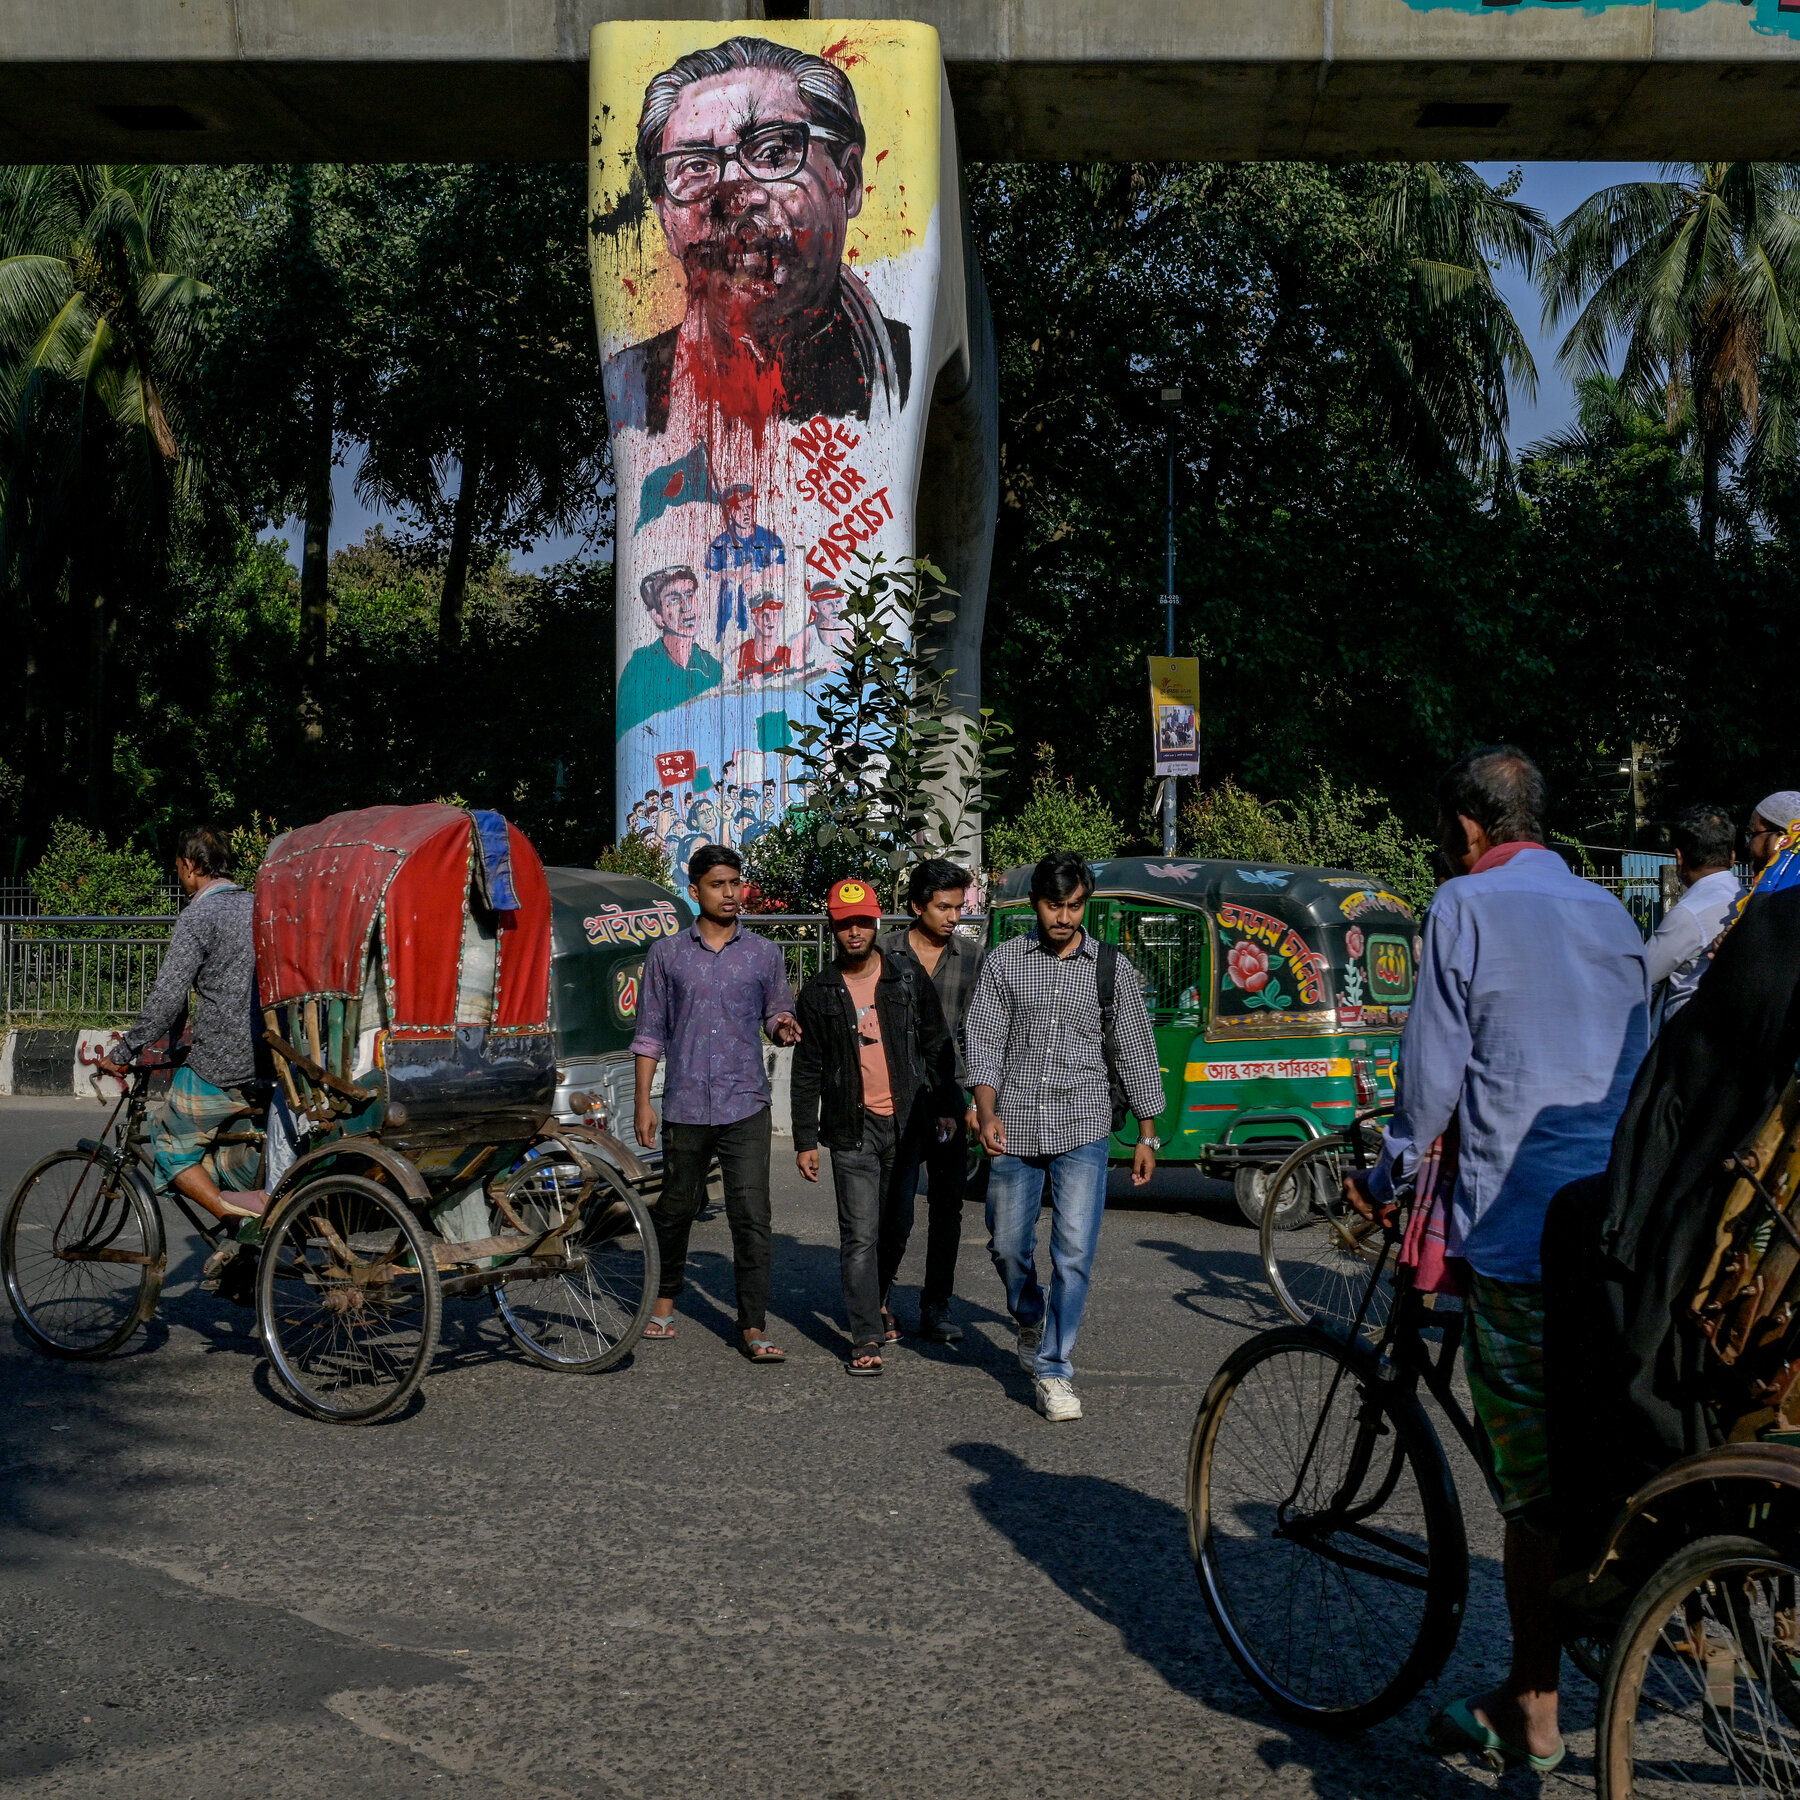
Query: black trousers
point(742, 1150)
point(871, 1230)
point(946, 1169)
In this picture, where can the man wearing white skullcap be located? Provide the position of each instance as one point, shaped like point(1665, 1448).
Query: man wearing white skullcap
point(1773, 818)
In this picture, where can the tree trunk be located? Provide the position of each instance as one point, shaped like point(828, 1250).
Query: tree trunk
point(315, 563)
point(1709, 493)
point(91, 598)
point(462, 541)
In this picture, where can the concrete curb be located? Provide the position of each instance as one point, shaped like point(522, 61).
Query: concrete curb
point(39, 1062)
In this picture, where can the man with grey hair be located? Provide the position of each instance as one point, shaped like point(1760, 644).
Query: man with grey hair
point(674, 669)
point(1530, 1019)
point(751, 153)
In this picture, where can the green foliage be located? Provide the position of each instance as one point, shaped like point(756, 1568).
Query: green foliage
point(1058, 816)
point(249, 844)
point(635, 856)
point(1324, 826)
point(1228, 822)
point(1696, 282)
point(80, 873)
point(792, 867)
point(895, 772)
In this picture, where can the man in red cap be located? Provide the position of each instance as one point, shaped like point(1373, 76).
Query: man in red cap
point(873, 1054)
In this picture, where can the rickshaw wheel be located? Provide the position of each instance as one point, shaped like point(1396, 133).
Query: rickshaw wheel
point(1703, 1684)
point(586, 1321)
point(348, 1299)
point(82, 1252)
point(1318, 1267)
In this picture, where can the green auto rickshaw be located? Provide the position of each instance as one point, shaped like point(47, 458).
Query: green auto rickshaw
point(1277, 996)
point(600, 927)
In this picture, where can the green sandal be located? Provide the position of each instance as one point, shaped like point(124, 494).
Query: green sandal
point(1454, 1729)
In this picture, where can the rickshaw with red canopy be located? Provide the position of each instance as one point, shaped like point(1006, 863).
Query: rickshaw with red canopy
point(403, 966)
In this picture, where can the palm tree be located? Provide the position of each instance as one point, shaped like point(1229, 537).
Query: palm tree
point(1698, 275)
point(95, 330)
point(1457, 346)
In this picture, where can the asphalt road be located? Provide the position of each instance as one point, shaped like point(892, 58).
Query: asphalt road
point(688, 1577)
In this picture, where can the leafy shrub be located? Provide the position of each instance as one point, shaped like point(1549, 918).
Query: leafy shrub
point(79, 873)
point(634, 856)
point(1058, 816)
point(248, 845)
point(1231, 824)
point(1324, 826)
point(792, 871)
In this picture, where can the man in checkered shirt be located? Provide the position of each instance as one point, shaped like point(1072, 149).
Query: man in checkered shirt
point(1037, 1060)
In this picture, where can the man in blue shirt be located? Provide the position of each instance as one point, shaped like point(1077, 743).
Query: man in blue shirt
point(708, 996)
point(1530, 1021)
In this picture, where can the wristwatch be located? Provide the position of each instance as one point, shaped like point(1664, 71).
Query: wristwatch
point(1155, 1143)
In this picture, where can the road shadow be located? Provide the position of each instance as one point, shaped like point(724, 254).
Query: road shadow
point(1229, 1286)
point(1122, 1556)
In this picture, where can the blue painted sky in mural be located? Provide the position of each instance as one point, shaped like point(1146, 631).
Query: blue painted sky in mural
point(1763, 18)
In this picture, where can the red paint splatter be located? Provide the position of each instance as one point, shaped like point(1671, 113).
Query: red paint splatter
point(744, 390)
point(629, 285)
point(677, 482)
point(904, 232)
point(880, 158)
point(842, 53)
point(853, 253)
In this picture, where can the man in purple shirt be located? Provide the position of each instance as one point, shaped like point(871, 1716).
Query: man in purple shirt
point(707, 996)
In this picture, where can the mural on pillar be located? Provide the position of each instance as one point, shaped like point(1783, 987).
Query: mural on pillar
point(765, 239)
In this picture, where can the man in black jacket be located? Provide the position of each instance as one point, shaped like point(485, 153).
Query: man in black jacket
point(950, 963)
point(873, 1055)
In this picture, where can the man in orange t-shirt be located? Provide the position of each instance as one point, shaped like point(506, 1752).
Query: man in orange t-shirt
point(874, 1061)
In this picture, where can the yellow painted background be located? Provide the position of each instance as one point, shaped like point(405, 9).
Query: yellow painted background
point(895, 70)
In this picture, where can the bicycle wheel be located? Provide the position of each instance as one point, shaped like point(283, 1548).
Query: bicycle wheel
point(1325, 1530)
point(347, 1299)
point(1318, 1266)
point(587, 1321)
point(83, 1253)
point(1702, 1690)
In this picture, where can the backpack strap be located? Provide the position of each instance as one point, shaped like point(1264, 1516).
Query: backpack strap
point(1106, 980)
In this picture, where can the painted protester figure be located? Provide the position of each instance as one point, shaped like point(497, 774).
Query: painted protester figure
point(742, 545)
point(662, 675)
point(752, 155)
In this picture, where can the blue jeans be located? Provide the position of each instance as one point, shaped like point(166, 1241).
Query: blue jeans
point(1077, 1205)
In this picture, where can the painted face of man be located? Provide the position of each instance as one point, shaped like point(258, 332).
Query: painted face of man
point(759, 255)
point(678, 610)
point(740, 511)
point(766, 623)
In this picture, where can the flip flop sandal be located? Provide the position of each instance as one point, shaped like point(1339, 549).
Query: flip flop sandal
point(890, 1326)
point(864, 1360)
point(1455, 1728)
point(658, 1329)
point(761, 1350)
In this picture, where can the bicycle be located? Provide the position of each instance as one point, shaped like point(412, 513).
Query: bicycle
point(1329, 1543)
point(82, 1246)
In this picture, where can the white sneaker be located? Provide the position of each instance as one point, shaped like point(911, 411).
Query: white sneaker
point(1031, 1337)
point(1057, 1399)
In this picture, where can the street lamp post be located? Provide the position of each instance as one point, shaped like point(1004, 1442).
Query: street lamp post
point(1171, 405)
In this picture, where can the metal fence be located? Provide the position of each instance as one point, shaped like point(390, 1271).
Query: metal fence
point(102, 968)
point(98, 968)
point(18, 899)
point(805, 938)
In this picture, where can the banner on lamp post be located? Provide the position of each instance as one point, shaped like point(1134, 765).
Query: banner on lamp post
point(1175, 714)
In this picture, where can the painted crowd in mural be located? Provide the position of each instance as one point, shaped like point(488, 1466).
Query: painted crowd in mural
point(765, 246)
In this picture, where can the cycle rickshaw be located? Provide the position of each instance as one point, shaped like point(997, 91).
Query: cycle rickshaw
point(403, 961)
point(1329, 1541)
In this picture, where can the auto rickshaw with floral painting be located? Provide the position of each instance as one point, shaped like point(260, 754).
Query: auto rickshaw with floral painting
point(1277, 995)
